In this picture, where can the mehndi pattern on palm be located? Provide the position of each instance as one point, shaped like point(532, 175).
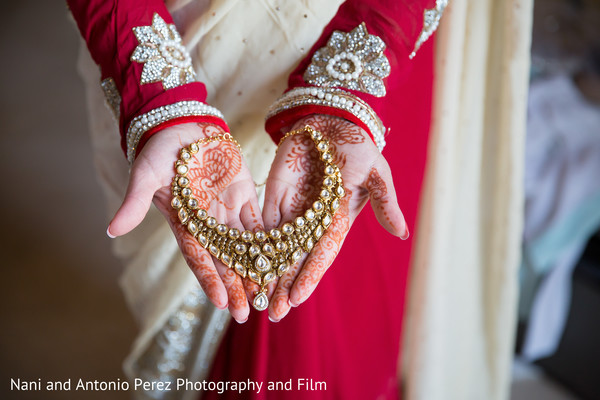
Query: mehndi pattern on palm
point(260, 256)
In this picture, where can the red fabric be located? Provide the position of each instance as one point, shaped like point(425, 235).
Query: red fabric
point(107, 27)
point(397, 23)
point(286, 118)
point(348, 332)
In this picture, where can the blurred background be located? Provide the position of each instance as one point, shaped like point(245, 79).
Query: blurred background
point(63, 314)
point(559, 319)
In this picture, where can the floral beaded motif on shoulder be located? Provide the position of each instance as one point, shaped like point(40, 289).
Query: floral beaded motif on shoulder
point(163, 55)
point(431, 21)
point(352, 60)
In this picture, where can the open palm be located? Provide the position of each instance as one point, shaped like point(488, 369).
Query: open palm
point(223, 186)
point(294, 183)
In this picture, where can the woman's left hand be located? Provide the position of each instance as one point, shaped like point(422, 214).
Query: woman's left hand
point(294, 183)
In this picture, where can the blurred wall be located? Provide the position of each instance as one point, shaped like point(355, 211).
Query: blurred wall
point(63, 315)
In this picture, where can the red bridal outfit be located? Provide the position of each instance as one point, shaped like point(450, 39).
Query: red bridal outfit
point(344, 341)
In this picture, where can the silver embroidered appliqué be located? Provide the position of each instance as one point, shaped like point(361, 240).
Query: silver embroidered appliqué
point(163, 55)
point(431, 21)
point(352, 60)
point(112, 96)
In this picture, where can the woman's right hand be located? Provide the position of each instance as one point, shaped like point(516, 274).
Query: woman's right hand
point(221, 182)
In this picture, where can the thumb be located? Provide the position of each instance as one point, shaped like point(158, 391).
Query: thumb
point(136, 204)
point(382, 194)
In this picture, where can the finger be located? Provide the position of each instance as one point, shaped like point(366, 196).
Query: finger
point(382, 194)
point(250, 215)
point(201, 263)
point(322, 256)
point(198, 259)
point(226, 206)
point(279, 304)
point(238, 303)
point(251, 220)
point(272, 217)
point(271, 212)
point(251, 289)
point(136, 204)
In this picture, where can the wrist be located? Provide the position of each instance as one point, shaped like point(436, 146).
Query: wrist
point(302, 102)
point(186, 121)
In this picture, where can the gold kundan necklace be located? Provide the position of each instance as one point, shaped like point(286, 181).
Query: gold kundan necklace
point(259, 256)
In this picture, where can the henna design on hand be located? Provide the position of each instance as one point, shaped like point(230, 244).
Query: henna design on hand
point(376, 186)
point(378, 193)
point(303, 159)
point(307, 190)
point(199, 261)
point(365, 173)
point(338, 131)
point(323, 254)
point(235, 292)
point(215, 172)
point(302, 156)
point(279, 304)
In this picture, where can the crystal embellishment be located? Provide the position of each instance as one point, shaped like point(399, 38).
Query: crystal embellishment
point(112, 96)
point(261, 302)
point(239, 268)
point(431, 21)
point(262, 264)
point(163, 55)
point(352, 60)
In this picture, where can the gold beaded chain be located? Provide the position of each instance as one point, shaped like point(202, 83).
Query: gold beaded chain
point(259, 256)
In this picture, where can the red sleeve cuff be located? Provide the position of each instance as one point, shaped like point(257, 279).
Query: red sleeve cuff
point(177, 121)
point(279, 121)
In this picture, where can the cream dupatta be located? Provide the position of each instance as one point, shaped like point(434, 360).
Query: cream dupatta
point(458, 341)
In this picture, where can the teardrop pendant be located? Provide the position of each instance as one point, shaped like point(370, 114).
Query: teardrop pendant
point(261, 301)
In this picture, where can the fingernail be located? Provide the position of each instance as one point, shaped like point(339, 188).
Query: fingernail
point(110, 235)
point(242, 322)
point(273, 320)
point(224, 307)
point(292, 304)
point(406, 234)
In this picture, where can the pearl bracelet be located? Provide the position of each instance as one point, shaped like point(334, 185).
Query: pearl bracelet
point(336, 98)
point(143, 123)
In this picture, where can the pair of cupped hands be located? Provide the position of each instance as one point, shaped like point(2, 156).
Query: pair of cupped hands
point(222, 183)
